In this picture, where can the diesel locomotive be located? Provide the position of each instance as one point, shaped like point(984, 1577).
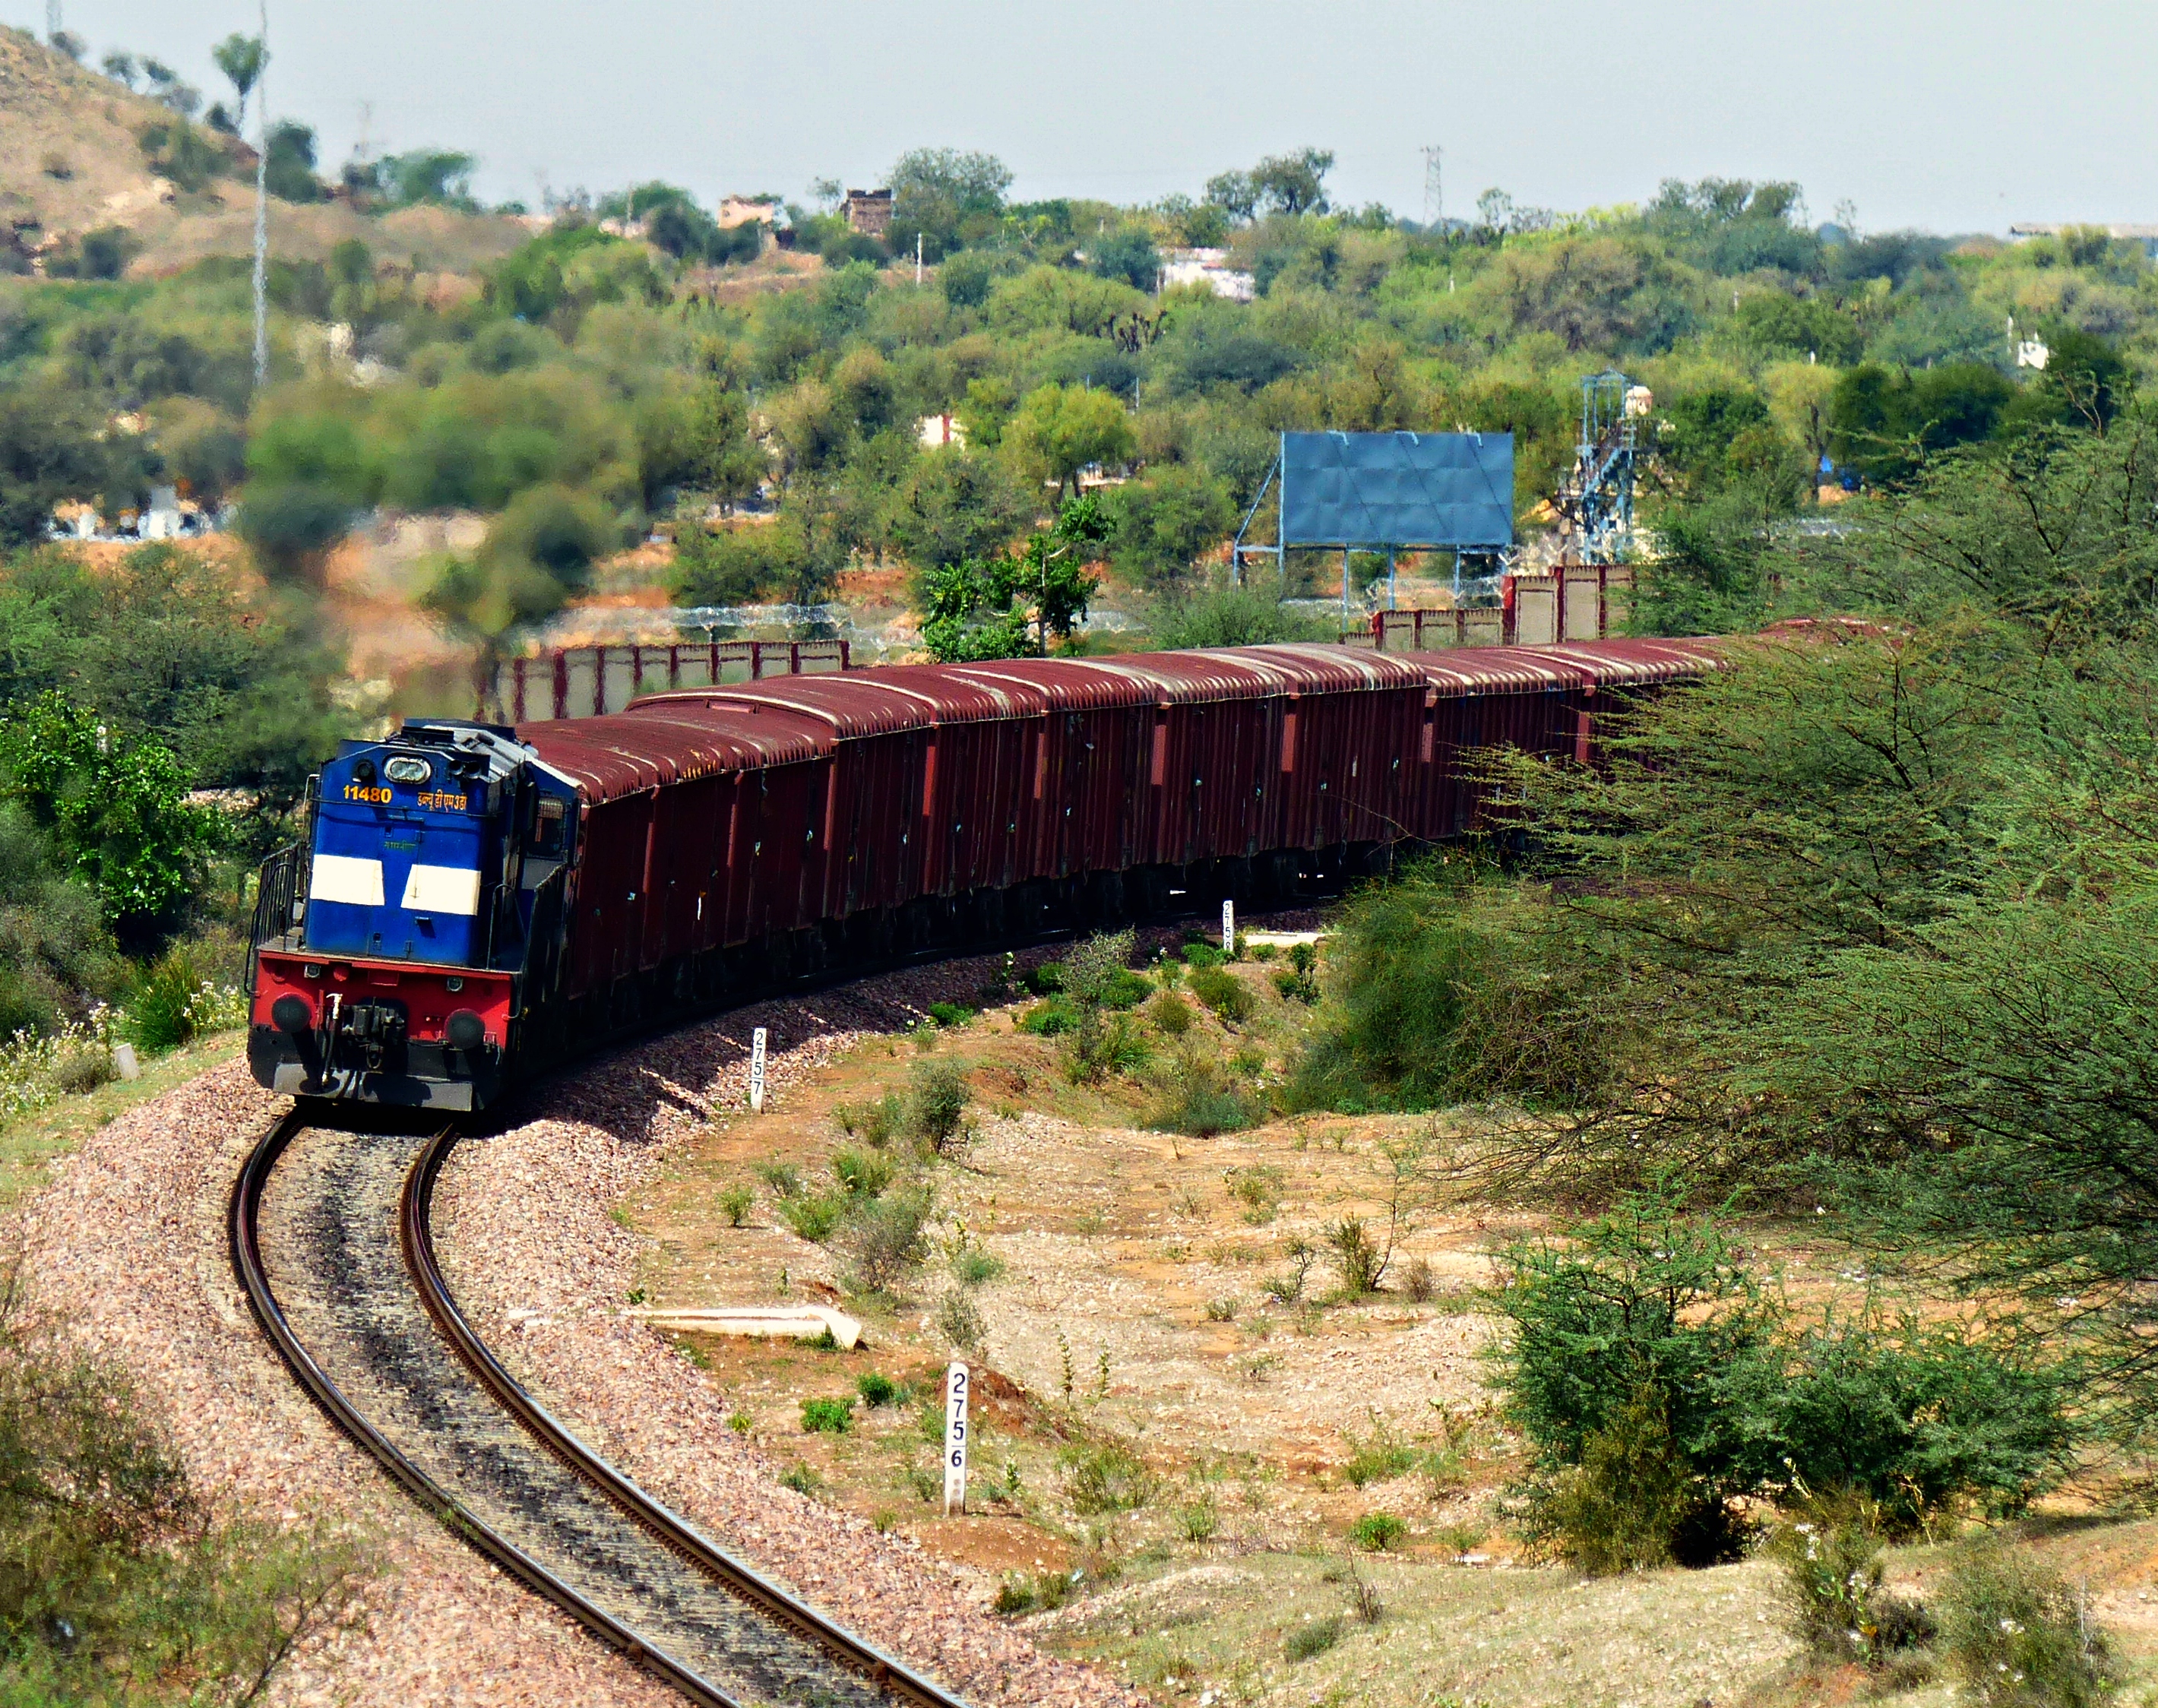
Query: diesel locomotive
point(473, 902)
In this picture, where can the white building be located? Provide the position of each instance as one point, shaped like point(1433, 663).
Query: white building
point(1211, 268)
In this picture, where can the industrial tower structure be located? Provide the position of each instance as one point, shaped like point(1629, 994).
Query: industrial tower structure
point(1597, 496)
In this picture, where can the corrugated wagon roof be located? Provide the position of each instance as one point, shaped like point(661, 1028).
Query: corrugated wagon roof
point(1623, 661)
point(852, 703)
point(620, 755)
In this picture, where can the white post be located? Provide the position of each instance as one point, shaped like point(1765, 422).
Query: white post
point(756, 1071)
point(955, 1440)
point(917, 257)
point(1229, 928)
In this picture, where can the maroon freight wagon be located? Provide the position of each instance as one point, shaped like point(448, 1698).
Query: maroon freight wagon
point(607, 871)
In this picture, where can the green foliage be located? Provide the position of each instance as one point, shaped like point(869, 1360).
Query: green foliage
point(1885, 424)
point(1020, 1593)
point(1378, 1457)
point(959, 1321)
point(734, 1203)
point(1194, 1095)
point(172, 1004)
point(1224, 992)
point(183, 152)
point(1377, 1532)
point(814, 1216)
point(1060, 430)
point(1170, 1014)
point(955, 506)
point(952, 1014)
point(976, 610)
point(886, 1237)
point(827, 1416)
point(861, 1174)
point(289, 172)
point(1311, 1637)
point(1830, 1557)
point(569, 269)
point(2017, 1637)
point(1050, 1018)
point(1657, 1385)
point(937, 1101)
point(876, 1390)
point(117, 1576)
point(1106, 1477)
point(1910, 1419)
point(167, 650)
point(1234, 616)
point(947, 197)
point(537, 556)
point(52, 449)
point(1432, 1006)
point(1630, 1503)
point(115, 808)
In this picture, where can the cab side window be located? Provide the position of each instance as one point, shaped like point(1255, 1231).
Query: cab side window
point(548, 819)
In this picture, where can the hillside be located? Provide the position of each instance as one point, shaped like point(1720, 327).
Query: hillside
point(71, 161)
point(69, 157)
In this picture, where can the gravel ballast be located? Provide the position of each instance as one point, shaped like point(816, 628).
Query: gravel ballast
point(129, 1236)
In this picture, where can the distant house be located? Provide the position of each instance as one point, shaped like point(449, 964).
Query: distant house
point(162, 520)
point(1208, 267)
point(935, 432)
point(867, 211)
point(744, 211)
point(2147, 235)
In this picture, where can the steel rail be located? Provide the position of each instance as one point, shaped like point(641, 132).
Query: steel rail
point(243, 1214)
point(415, 1231)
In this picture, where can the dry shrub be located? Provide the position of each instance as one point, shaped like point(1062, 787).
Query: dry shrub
point(2018, 1636)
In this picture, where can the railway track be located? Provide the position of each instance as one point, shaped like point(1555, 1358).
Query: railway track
point(330, 1240)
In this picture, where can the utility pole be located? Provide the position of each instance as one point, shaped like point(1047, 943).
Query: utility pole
point(53, 22)
point(917, 257)
point(261, 206)
point(1434, 198)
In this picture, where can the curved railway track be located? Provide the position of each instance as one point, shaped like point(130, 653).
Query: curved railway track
point(330, 1240)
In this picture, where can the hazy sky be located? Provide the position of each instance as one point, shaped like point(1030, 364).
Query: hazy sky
point(1951, 116)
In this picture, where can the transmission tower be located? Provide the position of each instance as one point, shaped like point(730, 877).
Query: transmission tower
point(1434, 199)
point(52, 18)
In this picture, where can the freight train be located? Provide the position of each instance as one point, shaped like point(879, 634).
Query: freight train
point(472, 903)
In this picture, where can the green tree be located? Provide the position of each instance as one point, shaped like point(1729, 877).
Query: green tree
point(289, 173)
point(1128, 254)
point(978, 609)
point(537, 556)
point(725, 458)
point(52, 450)
point(1292, 184)
point(169, 651)
point(947, 197)
point(438, 176)
point(954, 505)
point(1885, 424)
point(1161, 526)
point(1060, 430)
point(115, 806)
point(241, 59)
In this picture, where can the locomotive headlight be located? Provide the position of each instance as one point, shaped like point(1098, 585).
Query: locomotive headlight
point(404, 769)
